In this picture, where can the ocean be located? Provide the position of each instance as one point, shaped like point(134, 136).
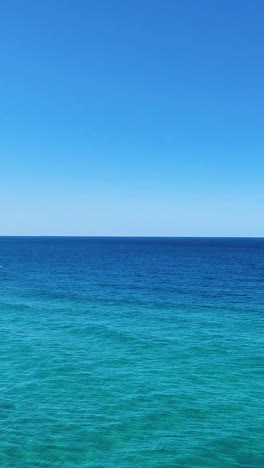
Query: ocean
point(131, 352)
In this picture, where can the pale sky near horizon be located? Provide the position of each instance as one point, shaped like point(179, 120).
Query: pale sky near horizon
point(137, 117)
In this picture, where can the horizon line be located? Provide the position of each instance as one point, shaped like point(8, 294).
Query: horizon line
point(126, 236)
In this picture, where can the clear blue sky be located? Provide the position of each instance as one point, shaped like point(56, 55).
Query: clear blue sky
point(135, 117)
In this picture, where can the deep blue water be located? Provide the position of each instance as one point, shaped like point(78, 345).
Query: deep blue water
point(131, 352)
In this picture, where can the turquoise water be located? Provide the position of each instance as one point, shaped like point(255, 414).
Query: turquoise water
point(131, 352)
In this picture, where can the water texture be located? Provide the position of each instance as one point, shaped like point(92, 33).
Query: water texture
point(131, 352)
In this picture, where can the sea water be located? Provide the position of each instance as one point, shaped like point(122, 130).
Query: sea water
point(131, 352)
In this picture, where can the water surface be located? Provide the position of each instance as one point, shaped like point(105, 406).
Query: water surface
point(131, 352)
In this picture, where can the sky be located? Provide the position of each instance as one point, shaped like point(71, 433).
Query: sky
point(132, 118)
